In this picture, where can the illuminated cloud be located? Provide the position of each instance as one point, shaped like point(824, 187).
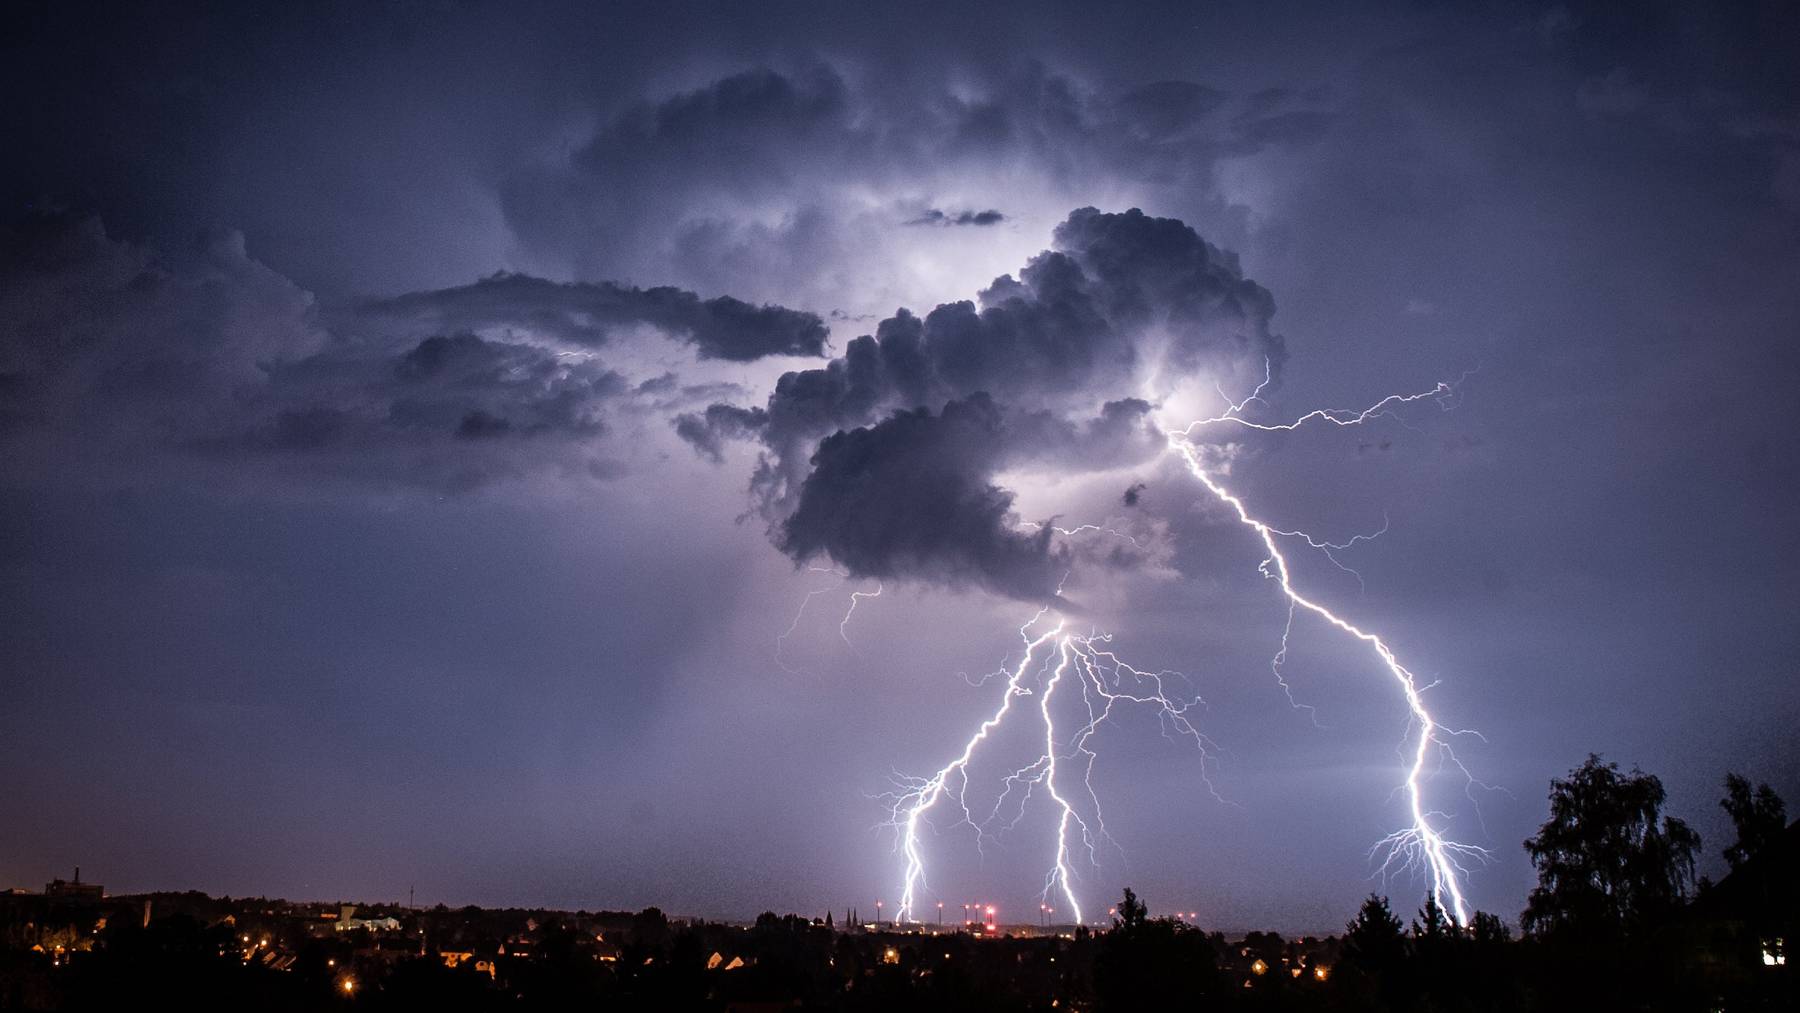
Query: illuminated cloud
point(884, 460)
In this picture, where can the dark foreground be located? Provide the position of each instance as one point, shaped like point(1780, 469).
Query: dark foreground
point(197, 952)
point(1617, 922)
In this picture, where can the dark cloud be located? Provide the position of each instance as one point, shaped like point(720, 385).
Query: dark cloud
point(459, 386)
point(1169, 110)
point(717, 184)
point(449, 413)
point(87, 321)
point(1133, 493)
point(589, 314)
point(746, 116)
point(937, 216)
point(912, 497)
point(707, 431)
point(130, 352)
point(1124, 303)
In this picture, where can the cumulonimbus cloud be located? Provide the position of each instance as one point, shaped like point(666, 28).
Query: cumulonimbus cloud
point(884, 460)
point(838, 187)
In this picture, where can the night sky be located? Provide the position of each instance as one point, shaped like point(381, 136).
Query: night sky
point(424, 426)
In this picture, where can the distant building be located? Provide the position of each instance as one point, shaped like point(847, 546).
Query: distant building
point(74, 889)
point(348, 922)
point(1745, 927)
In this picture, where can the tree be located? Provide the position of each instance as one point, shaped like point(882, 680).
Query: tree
point(1378, 972)
point(1608, 861)
point(1488, 930)
point(1759, 817)
point(650, 928)
point(1143, 960)
point(1374, 940)
point(1432, 924)
point(1132, 913)
point(1761, 885)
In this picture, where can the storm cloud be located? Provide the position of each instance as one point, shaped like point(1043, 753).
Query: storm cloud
point(1123, 304)
point(589, 314)
point(912, 497)
point(210, 354)
point(728, 184)
point(938, 216)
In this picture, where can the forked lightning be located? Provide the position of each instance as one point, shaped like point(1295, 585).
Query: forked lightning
point(1054, 656)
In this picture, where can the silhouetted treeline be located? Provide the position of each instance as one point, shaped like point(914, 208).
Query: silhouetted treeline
point(1617, 922)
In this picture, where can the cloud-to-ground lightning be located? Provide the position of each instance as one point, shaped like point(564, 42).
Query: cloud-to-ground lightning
point(952, 780)
point(1054, 656)
point(1051, 659)
point(1422, 842)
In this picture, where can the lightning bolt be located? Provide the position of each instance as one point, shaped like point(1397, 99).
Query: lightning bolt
point(856, 596)
point(1056, 655)
point(781, 641)
point(1050, 660)
point(1442, 393)
point(916, 797)
point(843, 624)
point(1421, 843)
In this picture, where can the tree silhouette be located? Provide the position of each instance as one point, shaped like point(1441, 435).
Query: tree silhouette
point(1375, 956)
point(1132, 912)
point(1432, 924)
point(1758, 816)
point(1488, 929)
point(1144, 961)
point(1374, 940)
point(1608, 861)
